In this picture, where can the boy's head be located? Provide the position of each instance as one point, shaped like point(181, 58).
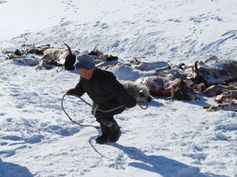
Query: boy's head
point(85, 66)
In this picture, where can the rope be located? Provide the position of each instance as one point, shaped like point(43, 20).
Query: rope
point(73, 121)
point(140, 104)
point(95, 108)
point(144, 107)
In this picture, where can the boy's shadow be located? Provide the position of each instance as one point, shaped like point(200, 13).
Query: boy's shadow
point(160, 164)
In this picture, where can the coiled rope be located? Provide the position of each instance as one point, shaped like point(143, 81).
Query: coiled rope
point(73, 121)
point(94, 109)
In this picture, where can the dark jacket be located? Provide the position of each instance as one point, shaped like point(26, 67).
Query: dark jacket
point(106, 92)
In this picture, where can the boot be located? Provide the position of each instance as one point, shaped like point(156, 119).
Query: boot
point(110, 131)
point(114, 132)
point(104, 137)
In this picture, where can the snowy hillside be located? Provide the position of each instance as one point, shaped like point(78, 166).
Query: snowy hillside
point(170, 30)
point(170, 138)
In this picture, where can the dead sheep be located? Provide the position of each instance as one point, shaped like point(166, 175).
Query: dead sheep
point(137, 91)
point(59, 57)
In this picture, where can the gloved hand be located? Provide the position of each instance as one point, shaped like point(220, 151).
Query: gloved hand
point(131, 102)
point(72, 92)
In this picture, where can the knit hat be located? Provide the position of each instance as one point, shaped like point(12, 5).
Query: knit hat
point(84, 61)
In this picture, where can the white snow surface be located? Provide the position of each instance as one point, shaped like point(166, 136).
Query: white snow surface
point(169, 139)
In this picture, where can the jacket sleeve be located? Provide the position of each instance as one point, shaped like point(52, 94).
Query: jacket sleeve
point(113, 86)
point(79, 89)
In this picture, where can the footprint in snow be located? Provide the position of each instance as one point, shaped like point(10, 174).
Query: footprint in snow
point(32, 139)
point(197, 156)
point(227, 127)
point(8, 153)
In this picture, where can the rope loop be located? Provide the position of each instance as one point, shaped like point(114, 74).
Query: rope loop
point(96, 108)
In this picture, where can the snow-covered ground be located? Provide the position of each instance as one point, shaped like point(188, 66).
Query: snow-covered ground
point(170, 138)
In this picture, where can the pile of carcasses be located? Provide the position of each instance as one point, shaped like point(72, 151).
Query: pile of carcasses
point(212, 78)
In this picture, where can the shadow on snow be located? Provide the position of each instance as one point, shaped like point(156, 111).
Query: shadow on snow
point(8, 169)
point(160, 164)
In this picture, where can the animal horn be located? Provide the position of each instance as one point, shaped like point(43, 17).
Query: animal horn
point(69, 49)
point(181, 66)
point(196, 68)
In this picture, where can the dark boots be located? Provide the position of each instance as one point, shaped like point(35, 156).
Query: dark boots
point(105, 133)
point(109, 129)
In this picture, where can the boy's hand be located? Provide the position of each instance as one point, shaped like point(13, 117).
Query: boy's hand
point(72, 92)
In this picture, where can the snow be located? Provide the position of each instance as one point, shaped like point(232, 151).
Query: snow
point(170, 139)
